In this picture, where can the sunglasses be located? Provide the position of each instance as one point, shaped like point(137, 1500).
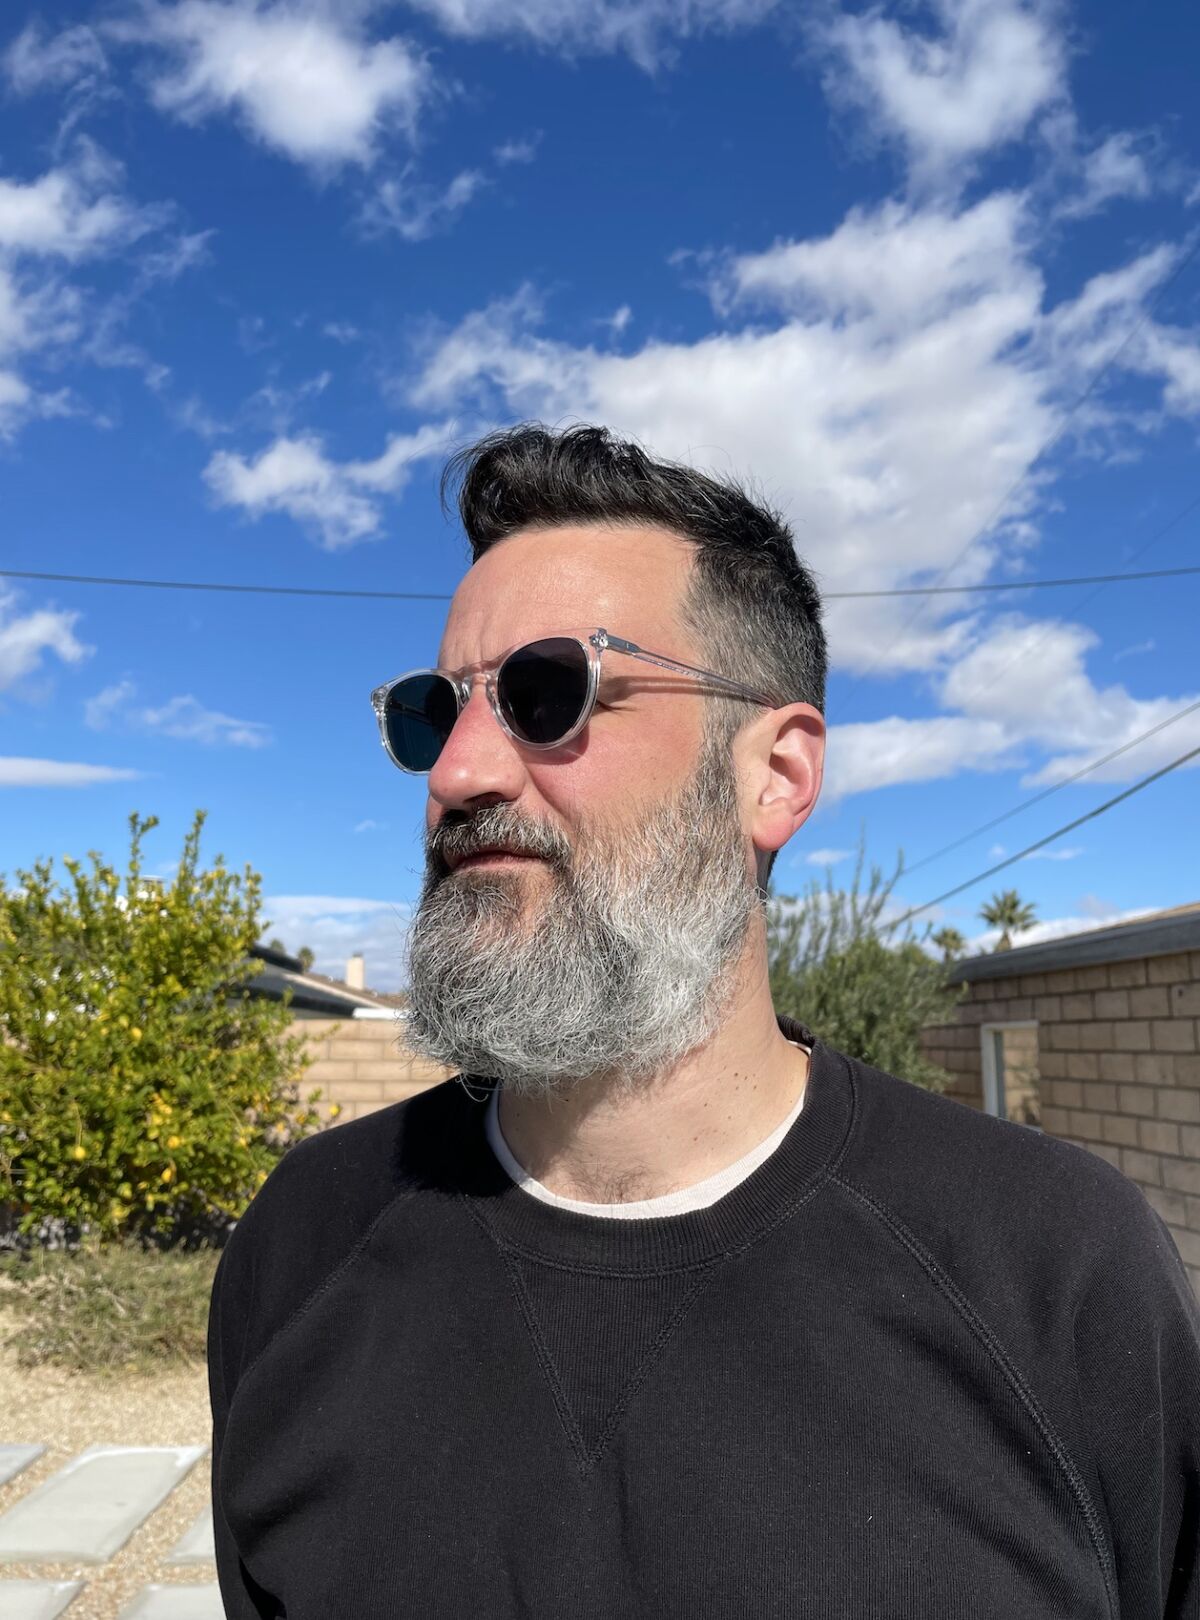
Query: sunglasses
point(542, 694)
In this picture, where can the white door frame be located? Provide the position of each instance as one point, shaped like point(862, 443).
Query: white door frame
point(987, 1044)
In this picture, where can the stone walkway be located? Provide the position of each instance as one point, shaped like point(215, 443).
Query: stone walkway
point(85, 1513)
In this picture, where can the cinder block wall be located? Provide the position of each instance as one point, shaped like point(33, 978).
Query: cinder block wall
point(1119, 1058)
point(360, 1064)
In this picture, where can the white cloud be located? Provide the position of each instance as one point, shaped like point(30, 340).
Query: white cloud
point(1135, 649)
point(826, 857)
point(1056, 928)
point(370, 826)
point(416, 211)
point(189, 720)
point(72, 212)
point(335, 927)
point(25, 639)
point(638, 27)
point(34, 62)
point(300, 76)
point(184, 718)
point(1021, 688)
point(18, 772)
point(883, 753)
point(888, 424)
point(99, 711)
point(889, 385)
point(1118, 167)
point(338, 501)
point(1029, 677)
point(520, 150)
point(1055, 852)
point(968, 86)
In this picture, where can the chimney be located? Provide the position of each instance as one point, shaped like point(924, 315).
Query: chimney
point(356, 972)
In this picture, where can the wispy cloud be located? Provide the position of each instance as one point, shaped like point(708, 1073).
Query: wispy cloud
point(969, 85)
point(36, 61)
point(301, 78)
point(18, 772)
point(643, 29)
point(184, 718)
point(339, 502)
point(826, 857)
point(414, 210)
point(523, 150)
point(26, 638)
point(337, 926)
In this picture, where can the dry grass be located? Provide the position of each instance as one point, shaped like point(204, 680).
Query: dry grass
point(116, 1310)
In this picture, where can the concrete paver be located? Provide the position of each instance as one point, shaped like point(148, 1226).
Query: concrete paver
point(90, 1508)
point(195, 1546)
point(176, 1603)
point(36, 1600)
point(14, 1458)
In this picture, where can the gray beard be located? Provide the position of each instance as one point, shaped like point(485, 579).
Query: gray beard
point(615, 959)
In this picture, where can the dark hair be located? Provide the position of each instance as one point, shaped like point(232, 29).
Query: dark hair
point(750, 602)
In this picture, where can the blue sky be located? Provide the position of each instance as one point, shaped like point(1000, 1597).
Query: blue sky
point(262, 265)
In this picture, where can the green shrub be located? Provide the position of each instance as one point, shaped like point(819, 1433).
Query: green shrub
point(120, 1309)
point(834, 965)
point(142, 1090)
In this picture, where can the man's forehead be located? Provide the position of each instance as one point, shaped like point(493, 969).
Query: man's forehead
point(547, 581)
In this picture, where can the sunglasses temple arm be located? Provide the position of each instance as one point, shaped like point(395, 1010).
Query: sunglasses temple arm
point(634, 651)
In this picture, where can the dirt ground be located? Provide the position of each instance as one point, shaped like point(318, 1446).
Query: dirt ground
point(67, 1412)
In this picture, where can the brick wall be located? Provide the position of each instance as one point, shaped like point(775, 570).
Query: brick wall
point(361, 1064)
point(1119, 1059)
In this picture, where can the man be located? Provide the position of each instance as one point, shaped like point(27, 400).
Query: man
point(664, 1309)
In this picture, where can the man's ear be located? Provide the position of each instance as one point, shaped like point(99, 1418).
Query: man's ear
point(783, 768)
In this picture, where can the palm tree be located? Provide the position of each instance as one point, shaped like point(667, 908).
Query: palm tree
point(951, 943)
point(1010, 914)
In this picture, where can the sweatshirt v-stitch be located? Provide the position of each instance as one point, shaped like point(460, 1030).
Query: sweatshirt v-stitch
point(921, 1364)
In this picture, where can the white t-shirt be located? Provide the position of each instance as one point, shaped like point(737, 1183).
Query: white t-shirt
point(673, 1203)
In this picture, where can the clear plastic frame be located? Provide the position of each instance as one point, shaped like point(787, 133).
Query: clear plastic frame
point(593, 645)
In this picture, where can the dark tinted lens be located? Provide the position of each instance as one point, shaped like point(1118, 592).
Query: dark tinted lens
point(418, 717)
point(542, 689)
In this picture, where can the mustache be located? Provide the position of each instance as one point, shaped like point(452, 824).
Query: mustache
point(459, 834)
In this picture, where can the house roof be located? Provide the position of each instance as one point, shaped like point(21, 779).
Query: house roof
point(311, 992)
point(1159, 933)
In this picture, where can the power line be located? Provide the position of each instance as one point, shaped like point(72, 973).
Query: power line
point(1013, 585)
point(435, 596)
point(1025, 652)
point(1037, 798)
point(1059, 832)
point(211, 585)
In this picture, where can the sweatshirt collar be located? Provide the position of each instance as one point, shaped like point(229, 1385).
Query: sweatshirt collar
point(794, 1171)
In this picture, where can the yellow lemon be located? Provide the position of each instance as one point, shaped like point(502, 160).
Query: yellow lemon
point(79, 1151)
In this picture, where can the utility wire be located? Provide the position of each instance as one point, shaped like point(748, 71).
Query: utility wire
point(434, 596)
point(1024, 652)
point(1046, 792)
point(1059, 832)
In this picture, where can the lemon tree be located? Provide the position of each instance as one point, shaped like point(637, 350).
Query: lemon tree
point(143, 1090)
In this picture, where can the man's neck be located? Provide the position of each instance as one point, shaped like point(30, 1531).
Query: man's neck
point(602, 1143)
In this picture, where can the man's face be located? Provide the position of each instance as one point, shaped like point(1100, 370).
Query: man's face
point(606, 945)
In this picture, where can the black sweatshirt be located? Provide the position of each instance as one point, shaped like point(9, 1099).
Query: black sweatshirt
point(920, 1364)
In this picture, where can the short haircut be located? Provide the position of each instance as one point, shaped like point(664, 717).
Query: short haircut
point(750, 603)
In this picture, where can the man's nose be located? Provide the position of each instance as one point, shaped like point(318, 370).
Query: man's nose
point(479, 759)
